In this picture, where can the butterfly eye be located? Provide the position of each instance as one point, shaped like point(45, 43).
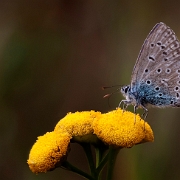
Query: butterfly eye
point(126, 89)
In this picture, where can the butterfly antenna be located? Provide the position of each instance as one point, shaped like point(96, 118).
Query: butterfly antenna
point(107, 87)
point(110, 94)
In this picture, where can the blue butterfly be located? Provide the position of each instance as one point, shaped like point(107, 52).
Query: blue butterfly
point(155, 78)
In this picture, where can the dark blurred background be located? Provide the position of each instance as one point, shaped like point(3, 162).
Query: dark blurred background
point(54, 58)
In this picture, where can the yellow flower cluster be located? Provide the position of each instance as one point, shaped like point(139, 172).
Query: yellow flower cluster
point(116, 128)
point(48, 151)
point(121, 129)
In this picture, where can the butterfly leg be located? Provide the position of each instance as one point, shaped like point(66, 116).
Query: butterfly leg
point(122, 101)
point(145, 113)
point(125, 104)
point(135, 108)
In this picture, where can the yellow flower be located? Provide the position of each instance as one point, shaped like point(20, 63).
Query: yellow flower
point(50, 149)
point(79, 125)
point(121, 129)
point(115, 128)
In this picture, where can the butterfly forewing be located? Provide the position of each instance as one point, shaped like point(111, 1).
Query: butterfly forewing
point(158, 63)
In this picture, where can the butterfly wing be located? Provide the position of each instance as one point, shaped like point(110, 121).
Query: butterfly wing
point(158, 63)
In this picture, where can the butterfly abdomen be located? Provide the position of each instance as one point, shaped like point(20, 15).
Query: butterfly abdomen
point(153, 95)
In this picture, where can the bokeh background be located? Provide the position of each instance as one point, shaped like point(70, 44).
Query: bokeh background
point(55, 55)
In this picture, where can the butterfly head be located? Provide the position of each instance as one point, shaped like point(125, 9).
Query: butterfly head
point(129, 95)
point(125, 90)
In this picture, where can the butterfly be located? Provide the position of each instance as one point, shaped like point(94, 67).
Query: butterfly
point(155, 78)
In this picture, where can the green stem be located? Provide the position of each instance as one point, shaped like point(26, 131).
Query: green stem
point(72, 168)
point(99, 151)
point(89, 155)
point(111, 161)
point(102, 164)
point(101, 161)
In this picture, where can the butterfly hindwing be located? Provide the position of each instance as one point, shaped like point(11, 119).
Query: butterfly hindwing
point(159, 64)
